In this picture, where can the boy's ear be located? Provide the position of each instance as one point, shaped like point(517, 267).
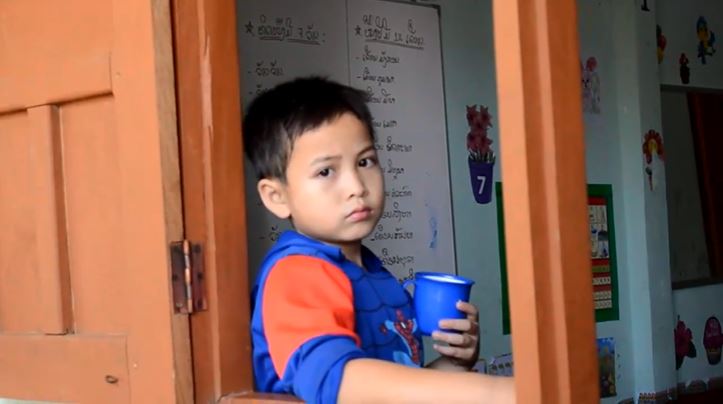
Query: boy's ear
point(273, 195)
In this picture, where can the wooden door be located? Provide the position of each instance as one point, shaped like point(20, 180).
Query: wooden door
point(89, 201)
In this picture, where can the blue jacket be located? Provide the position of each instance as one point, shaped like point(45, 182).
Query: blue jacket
point(313, 350)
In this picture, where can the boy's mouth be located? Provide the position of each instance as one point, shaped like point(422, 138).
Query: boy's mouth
point(359, 214)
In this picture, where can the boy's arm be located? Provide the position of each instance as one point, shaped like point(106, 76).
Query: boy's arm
point(309, 320)
point(377, 381)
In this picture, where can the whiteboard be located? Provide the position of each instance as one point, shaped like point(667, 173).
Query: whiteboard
point(392, 51)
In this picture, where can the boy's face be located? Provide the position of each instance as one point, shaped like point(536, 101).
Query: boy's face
point(334, 189)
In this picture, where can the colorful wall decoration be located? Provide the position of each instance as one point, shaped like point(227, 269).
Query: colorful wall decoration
point(606, 360)
point(712, 340)
point(684, 346)
point(602, 249)
point(690, 52)
point(684, 69)
point(706, 39)
point(600, 246)
point(481, 158)
point(654, 154)
point(590, 86)
point(661, 41)
point(698, 337)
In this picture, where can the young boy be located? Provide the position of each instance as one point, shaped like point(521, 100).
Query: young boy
point(329, 323)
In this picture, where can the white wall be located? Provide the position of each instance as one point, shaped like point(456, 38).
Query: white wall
point(694, 306)
point(469, 71)
point(604, 166)
point(611, 136)
point(678, 19)
point(469, 78)
point(616, 34)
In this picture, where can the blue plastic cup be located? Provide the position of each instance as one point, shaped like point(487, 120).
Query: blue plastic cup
point(435, 298)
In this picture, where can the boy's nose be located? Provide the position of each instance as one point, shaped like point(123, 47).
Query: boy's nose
point(356, 185)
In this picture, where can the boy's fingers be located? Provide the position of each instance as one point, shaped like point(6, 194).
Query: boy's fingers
point(463, 324)
point(468, 308)
point(440, 336)
point(459, 340)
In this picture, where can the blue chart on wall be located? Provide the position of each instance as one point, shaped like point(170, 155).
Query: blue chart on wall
point(602, 247)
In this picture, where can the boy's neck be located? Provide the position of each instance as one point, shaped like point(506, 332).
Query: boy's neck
point(352, 252)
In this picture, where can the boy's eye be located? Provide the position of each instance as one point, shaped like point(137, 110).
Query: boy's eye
point(367, 162)
point(324, 173)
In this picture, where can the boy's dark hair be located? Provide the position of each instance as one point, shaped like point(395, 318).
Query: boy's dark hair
point(278, 116)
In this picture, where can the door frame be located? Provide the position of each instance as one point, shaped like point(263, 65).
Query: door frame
point(544, 176)
point(209, 123)
point(542, 146)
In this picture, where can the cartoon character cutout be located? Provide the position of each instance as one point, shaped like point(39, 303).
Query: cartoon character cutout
point(683, 343)
point(590, 86)
point(405, 329)
point(661, 41)
point(684, 69)
point(653, 147)
point(706, 39)
point(713, 340)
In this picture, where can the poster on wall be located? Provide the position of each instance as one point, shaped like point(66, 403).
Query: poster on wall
point(590, 86)
point(606, 361)
point(600, 252)
point(602, 248)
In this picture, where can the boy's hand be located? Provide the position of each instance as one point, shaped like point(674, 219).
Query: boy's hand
point(462, 348)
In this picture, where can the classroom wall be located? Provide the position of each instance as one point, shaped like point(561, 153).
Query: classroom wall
point(644, 207)
point(678, 21)
point(604, 165)
point(692, 305)
point(469, 73)
point(617, 35)
point(469, 79)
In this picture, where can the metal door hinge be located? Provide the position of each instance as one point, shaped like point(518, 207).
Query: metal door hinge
point(188, 278)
